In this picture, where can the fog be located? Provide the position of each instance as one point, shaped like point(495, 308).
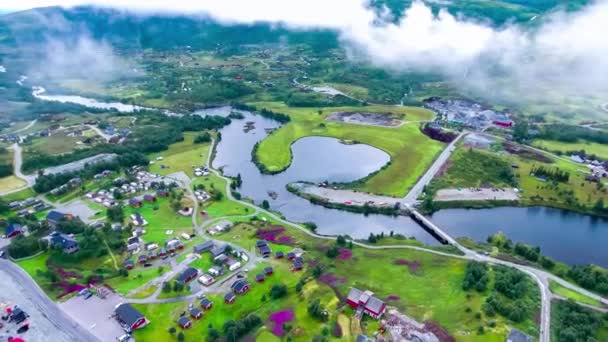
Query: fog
point(566, 51)
point(83, 59)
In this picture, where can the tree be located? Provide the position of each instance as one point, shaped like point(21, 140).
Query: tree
point(316, 310)
point(202, 138)
point(213, 335)
point(265, 204)
point(475, 277)
point(116, 213)
point(180, 336)
point(278, 291)
point(166, 287)
point(172, 330)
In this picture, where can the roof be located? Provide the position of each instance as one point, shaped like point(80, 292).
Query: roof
point(183, 321)
point(205, 302)
point(55, 215)
point(134, 200)
point(229, 296)
point(128, 262)
point(149, 196)
point(128, 314)
point(268, 269)
point(63, 240)
point(133, 240)
point(371, 302)
point(261, 243)
point(195, 311)
point(265, 250)
point(13, 227)
point(187, 273)
point(518, 336)
point(239, 285)
point(218, 250)
point(203, 247)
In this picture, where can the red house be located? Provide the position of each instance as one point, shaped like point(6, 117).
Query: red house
point(240, 286)
point(229, 298)
point(260, 278)
point(129, 317)
point(268, 270)
point(184, 322)
point(12, 230)
point(187, 275)
point(503, 123)
point(135, 202)
point(365, 302)
point(206, 304)
point(196, 313)
point(149, 198)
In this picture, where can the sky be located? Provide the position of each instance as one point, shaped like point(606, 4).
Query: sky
point(566, 50)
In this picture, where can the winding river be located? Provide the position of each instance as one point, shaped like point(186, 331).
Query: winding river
point(565, 236)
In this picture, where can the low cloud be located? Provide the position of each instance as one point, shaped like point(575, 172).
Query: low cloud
point(563, 51)
point(83, 58)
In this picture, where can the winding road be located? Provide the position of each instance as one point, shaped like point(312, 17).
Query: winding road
point(30, 180)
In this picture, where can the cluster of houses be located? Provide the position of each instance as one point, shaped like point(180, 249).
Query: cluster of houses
point(202, 171)
point(468, 113)
point(71, 184)
point(295, 256)
point(220, 228)
point(194, 313)
point(28, 206)
point(202, 195)
point(598, 169)
point(225, 260)
point(137, 202)
point(103, 197)
point(150, 251)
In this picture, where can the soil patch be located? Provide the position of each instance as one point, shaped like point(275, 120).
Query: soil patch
point(366, 118)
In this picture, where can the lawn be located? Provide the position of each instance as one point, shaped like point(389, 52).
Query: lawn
point(57, 143)
point(431, 291)
point(411, 152)
point(137, 278)
point(11, 183)
point(161, 218)
point(567, 293)
point(163, 316)
point(19, 195)
point(223, 207)
point(145, 293)
point(599, 150)
point(181, 156)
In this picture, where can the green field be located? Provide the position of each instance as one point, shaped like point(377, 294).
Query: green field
point(161, 218)
point(565, 292)
point(137, 278)
point(599, 150)
point(411, 152)
point(181, 156)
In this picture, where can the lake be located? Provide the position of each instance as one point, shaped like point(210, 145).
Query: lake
point(562, 235)
point(315, 159)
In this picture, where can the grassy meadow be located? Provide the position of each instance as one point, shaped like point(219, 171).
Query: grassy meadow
point(411, 152)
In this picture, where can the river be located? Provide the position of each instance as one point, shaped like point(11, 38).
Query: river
point(565, 236)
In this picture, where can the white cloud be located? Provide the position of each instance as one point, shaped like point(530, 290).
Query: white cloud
point(567, 50)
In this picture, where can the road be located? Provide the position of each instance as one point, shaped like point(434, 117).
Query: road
point(17, 161)
point(32, 123)
point(47, 307)
point(416, 190)
point(605, 107)
point(100, 132)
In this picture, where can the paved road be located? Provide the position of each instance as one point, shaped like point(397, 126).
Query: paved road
point(17, 162)
point(47, 307)
point(416, 190)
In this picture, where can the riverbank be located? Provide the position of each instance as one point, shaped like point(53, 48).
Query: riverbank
point(347, 200)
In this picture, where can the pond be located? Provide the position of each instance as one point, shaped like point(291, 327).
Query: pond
point(562, 235)
point(315, 159)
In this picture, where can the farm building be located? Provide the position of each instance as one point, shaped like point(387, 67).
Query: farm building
point(365, 302)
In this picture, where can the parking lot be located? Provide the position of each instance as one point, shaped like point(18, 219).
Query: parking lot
point(41, 326)
point(95, 314)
